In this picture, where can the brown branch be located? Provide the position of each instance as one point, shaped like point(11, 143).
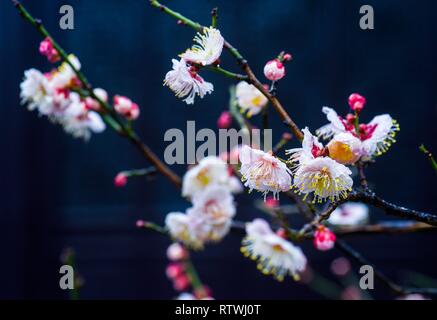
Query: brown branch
point(385, 227)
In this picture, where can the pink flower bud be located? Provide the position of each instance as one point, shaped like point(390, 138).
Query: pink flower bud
point(140, 223)
point(174, 270)
point(120, 180)
point(274, 70)
point(46, 49)
point(126, 107)
point(176, 252)
point(271, 202)
point(225, 120)
point(181, 283)
point(287, 57)
point(356, 102)
point(324, 239)
point(287, 136)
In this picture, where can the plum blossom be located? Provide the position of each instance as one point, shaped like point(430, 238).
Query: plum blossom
point(93, 104)
point(249, 98)
point(64, 76)
point(35, 90)
point(79, 121)
point(263, 172)
point(124, 106)
point(214, 208)
point(208, 220)
point(185, 82)
point(349, 214)
point(318, 173)
point(182, 228)
point(209, 171)
point(176, 252)
point(207, 48)
point(376, 137)
point(275, 255)
point(50, 94)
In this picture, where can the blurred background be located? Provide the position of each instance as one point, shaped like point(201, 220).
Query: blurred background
point(58, 192)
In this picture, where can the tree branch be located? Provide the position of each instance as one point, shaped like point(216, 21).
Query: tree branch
point(251, 78)
point(369, 197)
point(398, 289)
point(110, 117)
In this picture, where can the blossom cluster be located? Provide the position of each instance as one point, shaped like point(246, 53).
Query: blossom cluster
point(59, 95)
point(209, 186)
point(318, 169)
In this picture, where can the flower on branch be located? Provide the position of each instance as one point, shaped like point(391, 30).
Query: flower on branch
point(53, 95)
point(249, 98)
point(349, 214)
point(375, 137)
point(263, 172)
point(46, 49)
point(93, 104)
point(274, 70)
point(185, 82)
point(211, 170)
point(125, 107)
point(207, 48)
point(208, 220)
point(79, 121)
point(275, 255)
point(324, 239)
point(316, 172)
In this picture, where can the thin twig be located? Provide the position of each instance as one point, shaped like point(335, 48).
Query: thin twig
point(398, 289)
point(430, 156)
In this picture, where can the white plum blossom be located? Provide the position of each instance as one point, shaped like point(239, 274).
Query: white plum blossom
point(325, 177)
point(215, 208)
point(263, 172)
point(35, 90)
point(349, 214)
point(375, 137)
point(182, 228)
point(79, 121)
point(184, 81)
point(64, 76)
point(318, 173)
point(208, 220)
point(249, 98)
point(210, 170)
point(275, 255)
point(379, 135)
point(208, 47)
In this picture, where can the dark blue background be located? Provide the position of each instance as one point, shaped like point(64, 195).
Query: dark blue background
point(57, 192)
